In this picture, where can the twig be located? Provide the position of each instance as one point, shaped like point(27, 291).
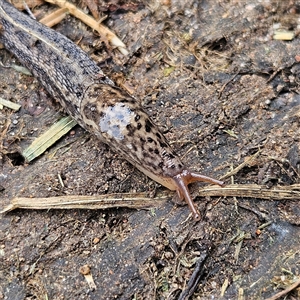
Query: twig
point(142, 200)
point(284, 292)
point(104, 31)
point(195, 278)
point(291, 192)
point(136, 201)
point(227, 82)
point(241, 166)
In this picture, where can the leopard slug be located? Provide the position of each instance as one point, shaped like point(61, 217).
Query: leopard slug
point(93, 100)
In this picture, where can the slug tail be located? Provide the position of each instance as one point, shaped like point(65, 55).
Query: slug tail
point(183, 179)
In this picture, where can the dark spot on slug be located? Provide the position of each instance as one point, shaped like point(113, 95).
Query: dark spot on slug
point(134, 147)
point(90, 112)
point(37, 43)
point(150, 150)
point(137, 117)
point(173, 166)
point(130, 130)
point(171, 156)
point(156, 151)
point(163, 145)
point(158, 135)
point(149, 139)
point(78, 94)
point(139, 126)
point(148, 126)
point(161, 164)
point(179, 166)
point(146, 154)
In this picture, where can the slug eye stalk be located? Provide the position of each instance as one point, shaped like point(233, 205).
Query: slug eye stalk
point(183, 179)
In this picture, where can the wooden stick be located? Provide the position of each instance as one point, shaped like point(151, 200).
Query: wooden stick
point(142, 200)
point(284, 292)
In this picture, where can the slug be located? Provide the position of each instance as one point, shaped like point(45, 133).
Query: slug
point(93, 100)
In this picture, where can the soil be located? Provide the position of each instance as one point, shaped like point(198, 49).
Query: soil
point(221, 88)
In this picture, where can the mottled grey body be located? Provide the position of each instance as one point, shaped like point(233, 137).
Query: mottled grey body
point(71, 77)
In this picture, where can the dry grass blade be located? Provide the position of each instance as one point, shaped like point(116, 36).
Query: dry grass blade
point(142, 201)
point(55, 17)
point(10, 104)
point(136, 201)
point(241, 166)
point(104, 32)
point(47, 139)
point(291, 192)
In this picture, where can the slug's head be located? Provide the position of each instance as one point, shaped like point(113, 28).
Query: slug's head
point(181, 181)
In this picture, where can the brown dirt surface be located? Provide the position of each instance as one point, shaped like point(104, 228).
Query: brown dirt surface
point(221, 88)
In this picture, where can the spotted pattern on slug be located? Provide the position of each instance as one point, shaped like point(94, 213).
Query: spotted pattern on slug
point(118, 119)
point(91, 98)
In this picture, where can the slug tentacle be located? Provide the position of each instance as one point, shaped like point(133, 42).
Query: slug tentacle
point(186, 177)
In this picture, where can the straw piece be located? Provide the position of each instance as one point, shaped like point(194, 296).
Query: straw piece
point(47, 139)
